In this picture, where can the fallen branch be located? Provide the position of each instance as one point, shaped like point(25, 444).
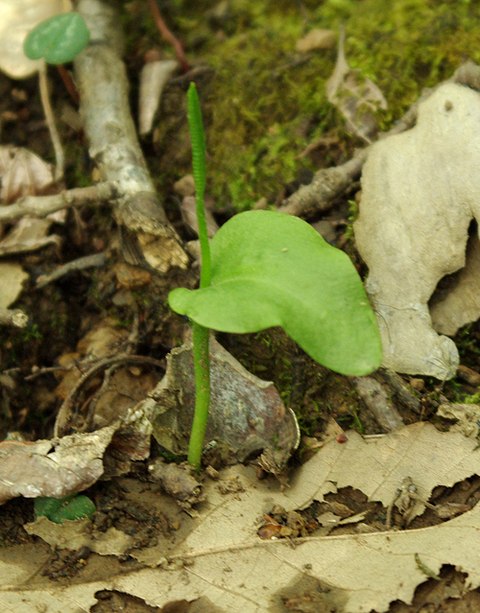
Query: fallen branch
point(41, 206)
point(100, 75)
point(88, 261)
point(13, 317)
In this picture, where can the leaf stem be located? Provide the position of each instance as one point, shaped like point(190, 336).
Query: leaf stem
point(200, 335)
point(201, 363)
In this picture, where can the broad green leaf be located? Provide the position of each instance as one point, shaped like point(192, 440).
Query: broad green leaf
point(57, 40)
point(272, 269)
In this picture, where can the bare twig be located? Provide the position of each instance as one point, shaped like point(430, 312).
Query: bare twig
point(88, 261)
point(168, 36)
point(378, 402)
point(41, 206)
point(13, 317)
point(329, 184)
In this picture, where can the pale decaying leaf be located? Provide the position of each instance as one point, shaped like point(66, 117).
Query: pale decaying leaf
point(315, 39)
point(153, 78)
point(465, 416)
point(12, 278)
point(76, 534)
point(23, 173)
point(218, 555)
point(413, 232)
point(356, 97)
point(17, 18)
point(49, 468)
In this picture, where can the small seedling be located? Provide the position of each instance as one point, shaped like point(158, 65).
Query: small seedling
point(57, 40)
point(64, 509)
point(264, 269)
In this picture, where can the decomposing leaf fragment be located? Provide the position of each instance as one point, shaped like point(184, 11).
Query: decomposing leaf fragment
point(356, 97)
point(52, 468)
point(246, 413)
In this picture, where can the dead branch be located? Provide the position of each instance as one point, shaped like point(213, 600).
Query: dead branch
point(329, 184)
point(41, 206)
point(378, 402)
point(88, 261)
point(13, 317)
point(103, 86)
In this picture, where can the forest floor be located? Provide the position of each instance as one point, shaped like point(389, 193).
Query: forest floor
point(363, 516)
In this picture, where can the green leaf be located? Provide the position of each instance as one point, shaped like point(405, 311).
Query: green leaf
point(57, 40)
point(59, 510)
point(272, 269)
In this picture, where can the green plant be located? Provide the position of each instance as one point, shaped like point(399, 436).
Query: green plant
point(265, 269)
point(57, 40)
point(64, 509)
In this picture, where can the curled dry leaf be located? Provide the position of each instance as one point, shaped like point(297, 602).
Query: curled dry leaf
point(52, 468)
point(153, 78)
point(246, 414)
point(356, 97)
point(23, 173)
point(17, 18)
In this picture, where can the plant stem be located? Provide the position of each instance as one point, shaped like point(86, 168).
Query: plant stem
point(201, 363)
point(50, 118)
point(200, 335)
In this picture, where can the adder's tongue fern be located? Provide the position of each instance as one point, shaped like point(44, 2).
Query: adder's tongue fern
point(197, 136)
point(200, 335)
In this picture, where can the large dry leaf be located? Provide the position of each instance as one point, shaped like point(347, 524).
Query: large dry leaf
point(221, 558)
point(17, 18)
point(419, 198)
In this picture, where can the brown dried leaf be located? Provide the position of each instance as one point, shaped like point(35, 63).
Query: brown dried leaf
point(246, 414)
point(355, 96)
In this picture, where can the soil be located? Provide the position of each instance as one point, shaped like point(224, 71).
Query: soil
point(33, 360)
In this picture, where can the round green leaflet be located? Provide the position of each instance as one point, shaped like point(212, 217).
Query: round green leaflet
point(57, 40)
point(272, 269)
point(64, 509)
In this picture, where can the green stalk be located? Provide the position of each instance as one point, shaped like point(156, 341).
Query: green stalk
point(200, 335)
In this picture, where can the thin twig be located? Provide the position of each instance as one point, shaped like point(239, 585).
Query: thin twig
point(41, 206)
point(50, 118)
point(168, 36)
point(68, 83)
point(88, 261)
point(13, 317)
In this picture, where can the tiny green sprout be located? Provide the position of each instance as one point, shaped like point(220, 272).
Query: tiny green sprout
point(58, 39)
point(64, 509)
point(266, 269)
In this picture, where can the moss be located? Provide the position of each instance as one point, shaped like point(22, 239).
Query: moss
point(267, 102)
